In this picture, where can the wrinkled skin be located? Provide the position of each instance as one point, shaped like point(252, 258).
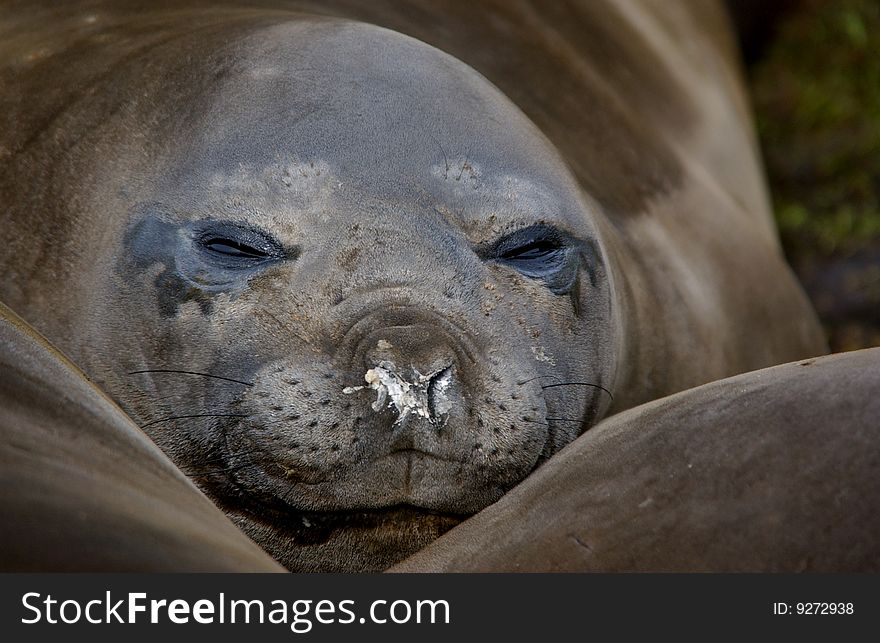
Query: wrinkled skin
point(229, 219)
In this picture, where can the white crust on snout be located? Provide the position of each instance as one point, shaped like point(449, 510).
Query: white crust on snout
point(404, 396)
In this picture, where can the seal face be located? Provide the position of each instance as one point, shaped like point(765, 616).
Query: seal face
point(361, 307)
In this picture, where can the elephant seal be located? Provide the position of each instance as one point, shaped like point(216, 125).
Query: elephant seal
point(84, 489)
point(796, 486)
point(353, 289)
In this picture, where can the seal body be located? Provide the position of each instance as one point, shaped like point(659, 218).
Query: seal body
point(358, 288)
point(84, 489)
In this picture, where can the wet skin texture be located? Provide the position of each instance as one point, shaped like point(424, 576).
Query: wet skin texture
point(234, 216)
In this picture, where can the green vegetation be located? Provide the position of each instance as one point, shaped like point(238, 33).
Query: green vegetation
point(817, 95)
point(817, 99)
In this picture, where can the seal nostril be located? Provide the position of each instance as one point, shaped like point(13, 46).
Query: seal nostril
point(438, 402)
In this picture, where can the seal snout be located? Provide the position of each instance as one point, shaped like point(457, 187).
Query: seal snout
point(412, 367)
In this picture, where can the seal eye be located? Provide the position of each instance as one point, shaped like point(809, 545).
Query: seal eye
point(537, 260)
point(539, 252)
point(536, 250)
point(234, 248)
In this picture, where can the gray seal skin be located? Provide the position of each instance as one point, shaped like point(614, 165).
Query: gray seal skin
point(82, 489)
point(796, 487)
point(346, 283)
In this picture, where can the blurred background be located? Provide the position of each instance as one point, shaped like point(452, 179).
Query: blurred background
point(814, 71)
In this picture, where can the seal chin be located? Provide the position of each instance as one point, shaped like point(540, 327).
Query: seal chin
point(364, 521)
point(367, 540)
point(424, 481)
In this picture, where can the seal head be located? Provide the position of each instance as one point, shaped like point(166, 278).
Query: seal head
point(369, 298)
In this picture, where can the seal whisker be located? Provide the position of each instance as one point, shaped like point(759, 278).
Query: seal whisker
point(224, 459)
point(196, 415)
point(168, 370)
point(560, 383)
point(212, 472)
point(547, 423)
point(579, 384)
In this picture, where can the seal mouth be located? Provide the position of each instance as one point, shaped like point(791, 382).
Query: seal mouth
point(318, 527)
